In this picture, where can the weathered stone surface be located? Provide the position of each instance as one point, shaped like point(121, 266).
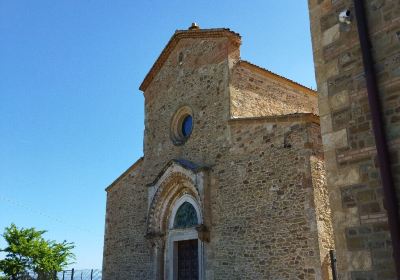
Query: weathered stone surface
point(339, 100)
point(265, 205)
point(354, 185)
point(335, 140)
point(330, 35)
point(255, 93)
point(323, 212)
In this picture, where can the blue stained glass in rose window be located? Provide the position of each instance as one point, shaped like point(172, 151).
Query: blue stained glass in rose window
point(187, 126)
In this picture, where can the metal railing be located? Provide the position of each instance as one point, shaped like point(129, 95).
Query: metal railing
point(72, 274)
point(80, 274)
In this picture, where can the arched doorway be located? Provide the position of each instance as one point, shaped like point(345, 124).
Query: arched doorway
point(175, 223)
point(184, 250)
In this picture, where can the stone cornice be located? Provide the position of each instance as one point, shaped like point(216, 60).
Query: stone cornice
point(290, 118)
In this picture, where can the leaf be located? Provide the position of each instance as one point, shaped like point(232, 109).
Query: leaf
point(27, 250)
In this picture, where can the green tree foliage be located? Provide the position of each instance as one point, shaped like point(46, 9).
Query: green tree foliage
point(27, 251)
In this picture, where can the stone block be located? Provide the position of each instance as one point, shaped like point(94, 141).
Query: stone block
point(339, 83)
point(387, 274)
point(344, 177)
point(351, 217)
point(382, 259)
point(376, 243)
point(324, 108)
point(348, 197)
point(331, 35)
point(363, 275)
point(335, 140)
point(339, 101)
point(341, 119)
point(369, 208)
point(326, 124)
point(332, 68)
point(360, 260)
point(366, 196)
point(356, 243)
point(328, 21)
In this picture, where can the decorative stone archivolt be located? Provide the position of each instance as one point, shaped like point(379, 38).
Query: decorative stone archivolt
point(178, 185)
point(176, 212)
point(175, 182)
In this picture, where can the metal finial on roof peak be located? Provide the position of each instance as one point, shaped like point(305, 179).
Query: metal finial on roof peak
point(194, 26)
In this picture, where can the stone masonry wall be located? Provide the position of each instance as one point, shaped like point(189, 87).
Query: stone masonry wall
point(199, 82)
point(323, 213)
point(360, 224)
point(254, 95)
point(263, 210)
point(264, 216)
point(126, 252)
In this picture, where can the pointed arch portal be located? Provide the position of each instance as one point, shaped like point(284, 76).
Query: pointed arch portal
point(175, 221)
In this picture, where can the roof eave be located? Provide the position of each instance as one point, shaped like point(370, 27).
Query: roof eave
point(120, 177)
point(278, 77)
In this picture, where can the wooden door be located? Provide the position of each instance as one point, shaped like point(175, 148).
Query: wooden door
point(188, 260)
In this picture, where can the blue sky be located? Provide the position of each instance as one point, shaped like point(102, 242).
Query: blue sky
point(71, 113)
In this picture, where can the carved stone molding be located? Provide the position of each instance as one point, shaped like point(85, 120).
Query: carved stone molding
point(155, 239)
point(204, 233)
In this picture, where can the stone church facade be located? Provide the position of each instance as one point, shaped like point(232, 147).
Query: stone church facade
point(232, 181)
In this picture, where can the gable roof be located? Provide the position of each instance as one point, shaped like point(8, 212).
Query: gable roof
point(183, 34)
point(129, 170)
point(277, 77)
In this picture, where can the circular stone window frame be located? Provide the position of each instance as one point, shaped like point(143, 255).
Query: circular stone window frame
point(177, 136)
